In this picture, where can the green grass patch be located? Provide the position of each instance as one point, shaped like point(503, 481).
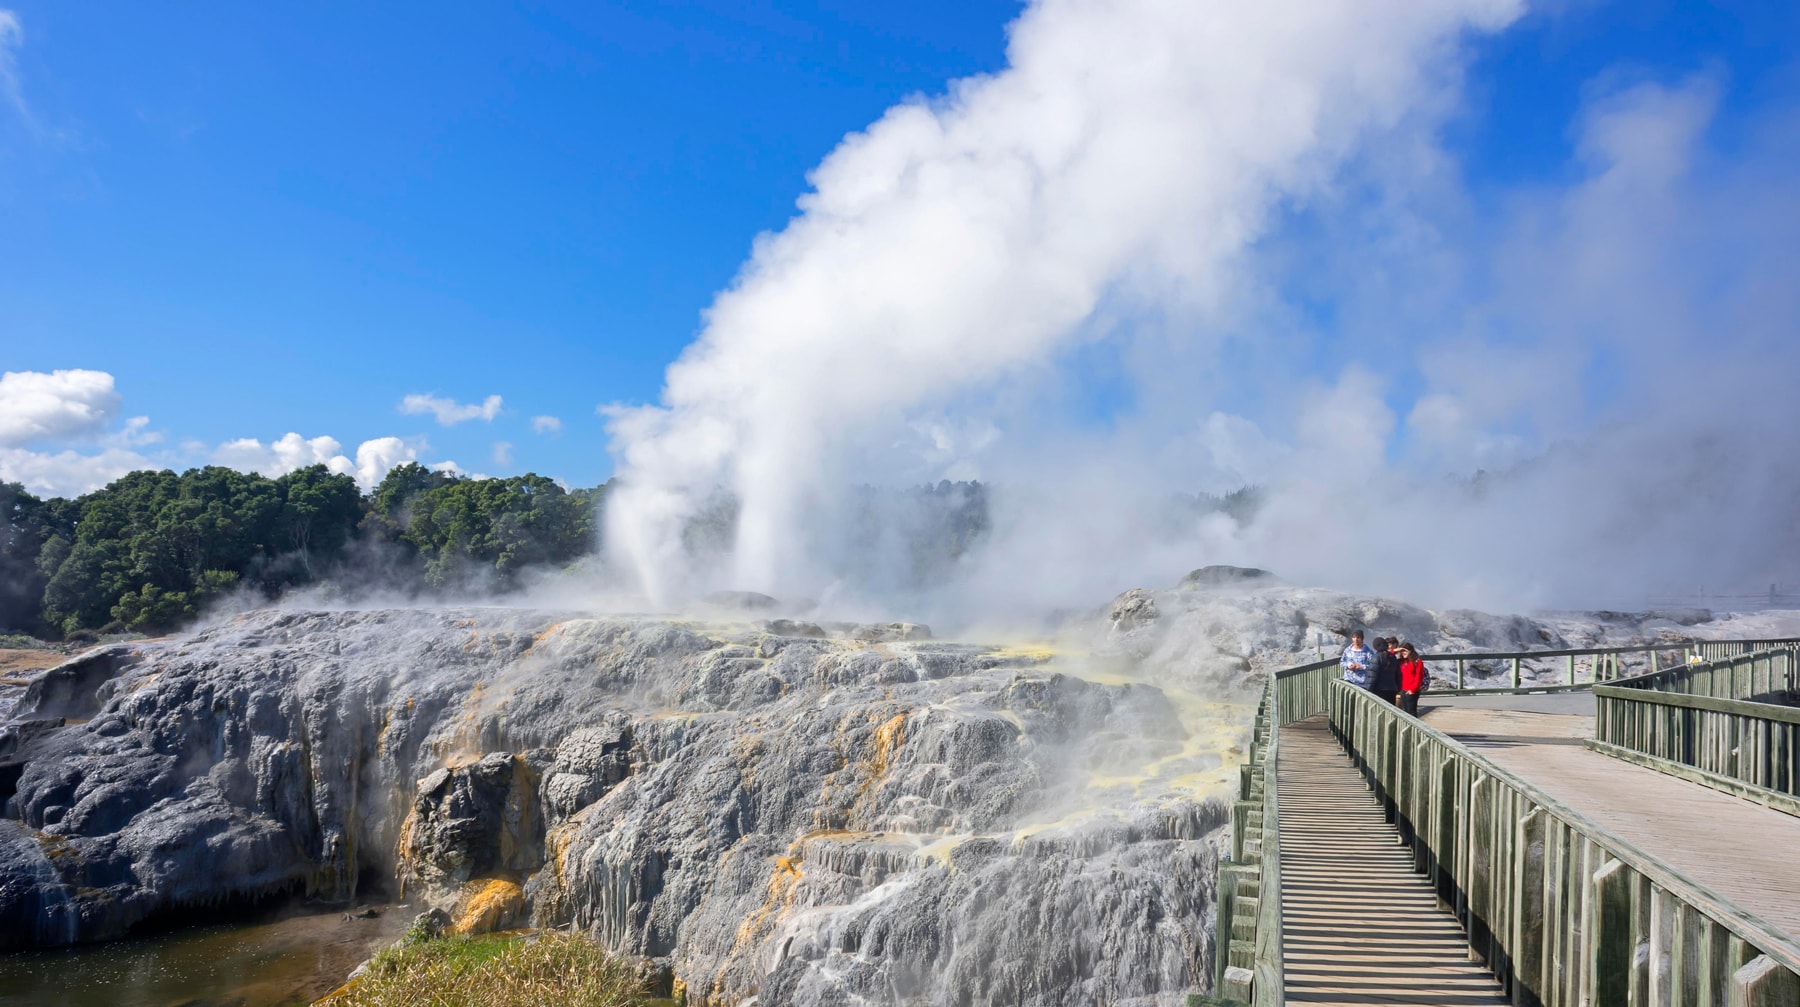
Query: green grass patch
point(494, 971)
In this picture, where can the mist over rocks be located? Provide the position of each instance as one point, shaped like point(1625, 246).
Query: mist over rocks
point(1221, 623)
point(801, 818)
point(774, 811)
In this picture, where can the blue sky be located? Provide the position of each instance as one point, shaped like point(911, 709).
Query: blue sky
point(260, 220)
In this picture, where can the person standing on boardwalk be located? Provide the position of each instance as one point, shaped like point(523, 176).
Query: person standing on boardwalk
point(1414, 679)
point(1358, 662)
point(1384, 680)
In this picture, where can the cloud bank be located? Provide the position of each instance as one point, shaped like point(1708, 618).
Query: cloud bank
point(60, 436)
point(374, 458)
point(1186, 246)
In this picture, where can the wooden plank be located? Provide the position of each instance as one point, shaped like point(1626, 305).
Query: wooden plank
point(1611, 949)
point(1737, 788)
point(1359, 924)
point(1741, 851)
point(1763, 983)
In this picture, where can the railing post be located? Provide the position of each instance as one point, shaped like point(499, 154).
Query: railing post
point(1516, 677)
point(1612, 948)
point(1459, 674)
point(1571, 669)
point(1529, 932)
point(1763, 983)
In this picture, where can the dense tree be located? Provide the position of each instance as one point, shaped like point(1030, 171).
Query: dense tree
point(24, 528)
point(469, 528)
point(151, 550)
point(319, 513)
point(393, 498)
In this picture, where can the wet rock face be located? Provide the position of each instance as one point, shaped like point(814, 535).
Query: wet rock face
point(802, 816)
point(474, 821)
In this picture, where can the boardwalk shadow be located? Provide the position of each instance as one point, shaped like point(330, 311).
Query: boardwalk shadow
point(1514, 741)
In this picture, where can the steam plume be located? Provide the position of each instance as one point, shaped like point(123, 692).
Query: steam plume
point(1121, 163)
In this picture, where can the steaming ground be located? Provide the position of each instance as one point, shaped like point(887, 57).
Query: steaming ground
point(768, 808)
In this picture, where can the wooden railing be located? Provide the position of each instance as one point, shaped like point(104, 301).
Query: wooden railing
point(1558, 907)
point(1303, 691)
point(1248, 941)
point(1750, 675)
point(1561, 910)
point(1710, 723)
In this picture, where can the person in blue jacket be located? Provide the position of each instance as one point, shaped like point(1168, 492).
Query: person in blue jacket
point(1358, 662)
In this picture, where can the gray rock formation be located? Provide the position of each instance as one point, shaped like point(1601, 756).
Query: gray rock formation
point(781, 817)
point(786, 811)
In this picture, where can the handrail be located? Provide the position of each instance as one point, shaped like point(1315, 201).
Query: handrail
point(1738, 676)
point(1606, 665)
point(1269, 988)
point(1553, 902)
point(1557, 906)
point(1248, 942)
point(1735, 707)
point(1701, 723)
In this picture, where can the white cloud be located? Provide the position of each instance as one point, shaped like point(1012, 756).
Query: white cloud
point(280, 457)
point(373, 460)
point(450, 412)
point(68, 473)
point(503, 454)
point(545, 425)
point(58, 406)
point(135, 432)
point(71, 405)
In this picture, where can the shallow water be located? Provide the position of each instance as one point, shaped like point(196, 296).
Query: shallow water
point(291, 958)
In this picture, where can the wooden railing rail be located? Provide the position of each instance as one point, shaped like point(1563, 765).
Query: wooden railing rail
point(1750, 675)
point(1563, 911)
point(1550, 901)
point(1709, 723)
point(1248, 939)
point(1302, 693)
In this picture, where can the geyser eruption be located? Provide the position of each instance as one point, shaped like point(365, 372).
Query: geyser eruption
point(1119, 166)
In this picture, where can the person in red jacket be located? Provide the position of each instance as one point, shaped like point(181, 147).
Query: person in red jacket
point(1414, 679)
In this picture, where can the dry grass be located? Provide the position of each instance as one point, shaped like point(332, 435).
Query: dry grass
point(494, 971)
point(21, 661)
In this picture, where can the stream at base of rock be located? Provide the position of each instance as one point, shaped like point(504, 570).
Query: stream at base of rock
point(290, 957)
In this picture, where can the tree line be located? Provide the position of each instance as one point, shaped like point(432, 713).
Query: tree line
point(147, 552)
point(150, 551)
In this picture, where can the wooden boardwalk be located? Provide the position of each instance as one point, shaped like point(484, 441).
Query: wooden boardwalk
point(1742, 851)
point(1358, 926)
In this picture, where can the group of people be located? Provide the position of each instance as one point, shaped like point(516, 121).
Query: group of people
point(1390, 669)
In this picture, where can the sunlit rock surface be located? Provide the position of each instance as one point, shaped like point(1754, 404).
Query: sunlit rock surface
point(795, 812)
point(798, 818)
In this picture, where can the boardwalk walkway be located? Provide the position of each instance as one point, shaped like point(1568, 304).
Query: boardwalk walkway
point(1358, 926)
point(1743, 852)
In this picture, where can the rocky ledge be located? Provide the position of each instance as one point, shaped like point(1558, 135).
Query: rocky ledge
point(780, 811)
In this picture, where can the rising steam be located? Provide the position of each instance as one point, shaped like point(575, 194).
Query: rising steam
point(1134, 195)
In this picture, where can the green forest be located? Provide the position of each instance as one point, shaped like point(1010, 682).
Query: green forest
point(147, 552)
